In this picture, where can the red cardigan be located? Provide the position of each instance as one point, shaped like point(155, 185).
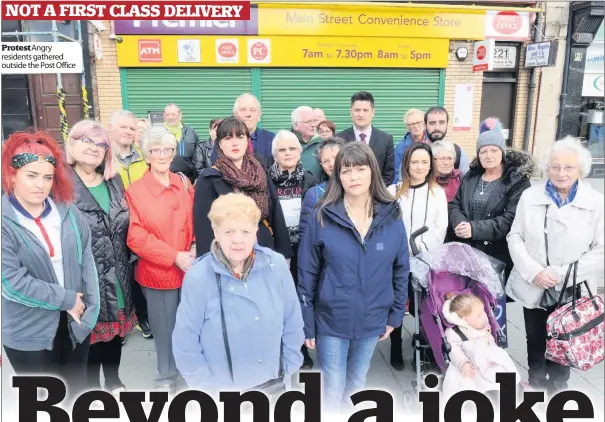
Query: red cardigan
point(161, 225)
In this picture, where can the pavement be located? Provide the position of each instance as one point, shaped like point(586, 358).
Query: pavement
point(139, 362)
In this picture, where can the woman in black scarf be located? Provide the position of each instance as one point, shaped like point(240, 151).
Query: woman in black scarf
point(288, 176)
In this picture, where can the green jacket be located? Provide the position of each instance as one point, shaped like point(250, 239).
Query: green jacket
point(308, 157)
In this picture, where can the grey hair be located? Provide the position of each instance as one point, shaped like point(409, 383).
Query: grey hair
point(284, 134)
point(439, 147)
point(121, 114)
point(157, 135)
point(243, 96)
point(295, 116)
point(172, 105)
point(572, 144)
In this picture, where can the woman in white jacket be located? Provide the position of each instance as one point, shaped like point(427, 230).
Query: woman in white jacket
point(423, 203)
point(557, 224)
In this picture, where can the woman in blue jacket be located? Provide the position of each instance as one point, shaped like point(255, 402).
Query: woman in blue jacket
point(239, 323)
point(353, 271)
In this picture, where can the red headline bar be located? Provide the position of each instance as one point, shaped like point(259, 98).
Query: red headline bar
point(126, 10)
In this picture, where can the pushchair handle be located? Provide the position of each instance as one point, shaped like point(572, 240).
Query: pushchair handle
point(413, 236)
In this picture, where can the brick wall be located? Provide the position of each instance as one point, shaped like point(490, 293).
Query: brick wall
point(462, 72)
point(108, 78)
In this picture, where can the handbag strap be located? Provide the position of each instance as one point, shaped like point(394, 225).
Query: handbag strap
point(546, 234)
point(226, 338)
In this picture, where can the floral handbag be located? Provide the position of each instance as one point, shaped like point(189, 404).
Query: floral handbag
point(574, 331)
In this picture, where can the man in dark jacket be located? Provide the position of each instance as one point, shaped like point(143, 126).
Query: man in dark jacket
point(362, 113)
point(206, 148)
point(187, 142)
point(247, 108)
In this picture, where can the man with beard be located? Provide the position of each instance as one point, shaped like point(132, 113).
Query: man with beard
point(436, 120)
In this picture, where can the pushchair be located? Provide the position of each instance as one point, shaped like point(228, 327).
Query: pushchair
point(452, 268)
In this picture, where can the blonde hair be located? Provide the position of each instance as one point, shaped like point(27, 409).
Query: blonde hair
point(85, 128)
point(233, 205)
point(411, 112)
point(462, 304)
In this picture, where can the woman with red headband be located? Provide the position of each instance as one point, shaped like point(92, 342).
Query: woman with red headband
point(50, 290)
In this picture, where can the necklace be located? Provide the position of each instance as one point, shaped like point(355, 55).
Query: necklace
point(483, 186)
point(88, 182)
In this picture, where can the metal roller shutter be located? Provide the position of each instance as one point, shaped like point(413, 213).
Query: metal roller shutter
point(202, 94)
point(394, 90)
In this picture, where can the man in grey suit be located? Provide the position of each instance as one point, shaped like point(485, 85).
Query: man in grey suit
point(362, 112)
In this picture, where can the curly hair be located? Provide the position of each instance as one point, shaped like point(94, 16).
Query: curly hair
point(37, 143)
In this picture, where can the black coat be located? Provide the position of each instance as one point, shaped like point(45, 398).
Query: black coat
point(185, 159)
point(108, 241)
point(203, 156)
point(384, 151)
point(489, 231)
point(210, 186)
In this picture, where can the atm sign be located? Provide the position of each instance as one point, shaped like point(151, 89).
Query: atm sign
point(150, 50)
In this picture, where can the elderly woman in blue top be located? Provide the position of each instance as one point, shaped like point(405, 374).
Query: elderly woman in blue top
point(352, 271)
point(50, 289)
point(261, 311)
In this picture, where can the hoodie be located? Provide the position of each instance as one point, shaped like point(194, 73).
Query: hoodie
point(32, 297)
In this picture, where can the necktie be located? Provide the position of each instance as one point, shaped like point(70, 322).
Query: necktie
point(362, 136)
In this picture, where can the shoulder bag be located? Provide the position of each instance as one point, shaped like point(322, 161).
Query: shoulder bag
point(272, 388)
point(574, 332)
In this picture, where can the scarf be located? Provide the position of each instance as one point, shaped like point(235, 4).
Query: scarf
point(177, 130)
point(553, 194)
point(251, 180)
point(285, 179)
point(220, 256)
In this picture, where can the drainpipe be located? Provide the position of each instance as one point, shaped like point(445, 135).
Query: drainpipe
point(532, 84)
point(563, 96)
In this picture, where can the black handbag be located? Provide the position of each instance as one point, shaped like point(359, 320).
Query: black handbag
point(551, 297)
point(272, 388)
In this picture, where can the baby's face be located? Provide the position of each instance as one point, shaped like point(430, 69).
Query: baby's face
point(477, 318)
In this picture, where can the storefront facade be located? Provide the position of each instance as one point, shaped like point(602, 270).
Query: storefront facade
point(294, 54)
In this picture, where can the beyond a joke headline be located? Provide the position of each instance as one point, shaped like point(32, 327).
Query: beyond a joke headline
point(125, 10)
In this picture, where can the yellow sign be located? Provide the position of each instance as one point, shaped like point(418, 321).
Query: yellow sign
point(281, 51)
point(372, 22)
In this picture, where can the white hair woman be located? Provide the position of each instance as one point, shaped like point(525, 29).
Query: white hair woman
point(448, 177)
point(99, 195)
point(303, 125)
point(557, 223)
point(161, 235)
point(241, 295)
point(288, 176)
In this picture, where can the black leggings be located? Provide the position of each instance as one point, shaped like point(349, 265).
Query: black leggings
point(106, 355)
point(63, 360)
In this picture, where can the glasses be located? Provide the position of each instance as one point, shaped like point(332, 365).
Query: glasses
point(444, 159)
point(92, 144)
point(414, 125)
point(324, 132)
point(565, 169)
point(158, 152)
point(308, 122)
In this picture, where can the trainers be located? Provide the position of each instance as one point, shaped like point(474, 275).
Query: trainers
point(116, 392)
point(123, 340)
point(169, 388)
point(145, 328)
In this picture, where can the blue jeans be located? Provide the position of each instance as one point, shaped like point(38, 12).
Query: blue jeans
point(344, 364)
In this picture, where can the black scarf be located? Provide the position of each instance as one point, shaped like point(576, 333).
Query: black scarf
point(285, 179)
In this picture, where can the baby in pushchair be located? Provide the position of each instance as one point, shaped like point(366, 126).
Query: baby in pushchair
point(474, 356)
point(457, 269)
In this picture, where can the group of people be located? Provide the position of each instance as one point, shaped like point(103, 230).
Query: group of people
point(240, 253)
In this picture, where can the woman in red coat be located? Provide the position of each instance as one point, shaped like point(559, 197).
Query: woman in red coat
point(161, 235)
